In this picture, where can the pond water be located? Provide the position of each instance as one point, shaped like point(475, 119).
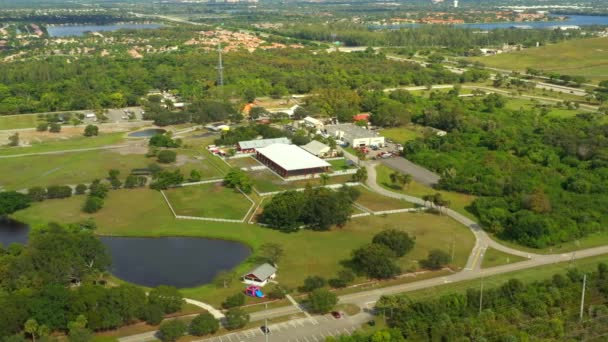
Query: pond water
point(79, 30)
point(577, 20)
point(177, 261)
point(146, 133)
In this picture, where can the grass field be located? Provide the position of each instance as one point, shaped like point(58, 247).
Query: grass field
point(377, 202)
point(584, 57)
point(243, 162)
point(67, 144)
point(341, 164)
point(517, 104)
point(267, 181)
point(143, 212)
point(458, 201)
point(402, 134)
point(494, 257)
point(209, 200)
point(18, 121)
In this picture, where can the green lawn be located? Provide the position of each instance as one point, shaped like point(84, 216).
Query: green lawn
point(584, 57)
point(458, 201)
point(243, 162)
point(341, 164)
point(516, 104)
point(143, 212)
point(266, 181)
point(402, 134)
point(66, 144)
point(18, 121)
point(209, 200)
point(494, 257)
point(377, 202)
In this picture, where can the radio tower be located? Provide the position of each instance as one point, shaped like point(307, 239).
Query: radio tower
point(220, 67)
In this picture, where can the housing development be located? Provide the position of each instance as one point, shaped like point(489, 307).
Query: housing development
point(303, 171)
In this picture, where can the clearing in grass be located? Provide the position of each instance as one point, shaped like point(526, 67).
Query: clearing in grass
point(494, 257)
point(209, 200)
point(376, 202)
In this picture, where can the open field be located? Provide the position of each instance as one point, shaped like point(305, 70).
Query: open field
point(305, 253)
point(341, 164)
point(377, 202)
point(517, 104)
point(458, 201)
point(209, 200)
point(267, 181)
point(18, 121)
point(494, 257)
point(242, 162)
point(79, 142)
point(582, 57)
point(402, 134)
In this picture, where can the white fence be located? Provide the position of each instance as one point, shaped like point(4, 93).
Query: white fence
point(330, 186)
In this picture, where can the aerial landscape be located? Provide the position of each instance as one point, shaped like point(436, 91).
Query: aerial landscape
point(303, 170)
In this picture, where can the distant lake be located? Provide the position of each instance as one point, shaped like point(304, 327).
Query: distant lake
point(79, 30)
point(177, 261)
point(578, 20)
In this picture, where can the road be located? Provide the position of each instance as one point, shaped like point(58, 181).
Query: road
point(418, 173)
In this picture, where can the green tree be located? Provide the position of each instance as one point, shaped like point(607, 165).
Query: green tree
point(436, 259)
point(78, 331)
point(31, 327)
point(131, 182)
point(324, 178)
point(172, 330)
point(360, 175)
point(195, 175)
point(376, 261)
point(42, 127)
point(152, 314)
point(204, 324)
point(322, 301)
point(13, 140)
point(36, 194)
point(312, 283)
point(237, 178)
point(80, 189)
point(54, 127)
point(11, 201)
point(166, 179)
point(168, 297)
point(92, 204)
point(236, 318)
point(223, 279)
point(271, 252)
point(397, 241)
point(166, 156)
point(91, 130)
point(233, 301)
point(400, 179)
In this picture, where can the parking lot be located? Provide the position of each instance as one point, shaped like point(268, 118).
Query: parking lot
point(314, 329)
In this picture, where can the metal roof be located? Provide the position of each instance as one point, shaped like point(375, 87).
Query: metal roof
point(291, 157)
point(262, 272)
point(351, 131)
point(316, 147)
point(249, 144)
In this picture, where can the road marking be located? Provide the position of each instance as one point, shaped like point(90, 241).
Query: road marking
point(332, 335)
point(306, 339)
point(347, 332)
point(320, 332)
point(315, 337)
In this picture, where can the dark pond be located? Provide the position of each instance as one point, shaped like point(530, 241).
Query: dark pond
point(79, 30)
point(176, 261)
point(146, 133)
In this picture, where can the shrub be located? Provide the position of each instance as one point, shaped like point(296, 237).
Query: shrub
point(54, 128)
point(277, 292)
point(312, 283)
point(168, 297)
point(166, 157)
point(42, 127)
point(81, 189)
point(98, 189)
point(91, 130)
point(236, 318)
point(436, 259)
point(58, 191)
point(237, 178)
point(322, 301)
point(172, 330)
point(203, 324)
point(152, 314)
point(376, 261)
point(36, 194)
point(93, 204)
point(234, 301)
point(399, 242)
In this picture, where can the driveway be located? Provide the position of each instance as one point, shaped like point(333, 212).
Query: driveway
point(418, 173)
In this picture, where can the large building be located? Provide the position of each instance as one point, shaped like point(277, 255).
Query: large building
point(291, 160)
point(354, 135)
point(250, 146)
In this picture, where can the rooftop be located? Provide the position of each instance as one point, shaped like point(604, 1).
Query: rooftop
point(351, 130)
point(315, 147)
point(291, 157)
point(260, 143)
point(263, 271)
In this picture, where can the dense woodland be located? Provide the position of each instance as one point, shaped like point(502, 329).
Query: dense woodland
point(543, 180)
point(541, 311)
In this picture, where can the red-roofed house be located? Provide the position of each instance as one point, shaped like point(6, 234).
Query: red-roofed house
point(362, 116)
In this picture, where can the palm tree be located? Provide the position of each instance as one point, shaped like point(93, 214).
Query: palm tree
point(324, 179)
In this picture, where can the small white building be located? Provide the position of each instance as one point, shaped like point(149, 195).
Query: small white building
point(260, 276)
point(313, 123)
point(317, 148)
point(355, 136)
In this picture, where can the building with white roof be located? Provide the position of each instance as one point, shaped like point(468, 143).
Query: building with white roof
point(291, 160)
point(354, 135)
point(252, 145)
point(317, 148)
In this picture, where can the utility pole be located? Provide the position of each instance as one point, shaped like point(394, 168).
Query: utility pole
point(220, 67)
point(266, 322)
point(453, 247)
point(583, 296)
point(481, 297)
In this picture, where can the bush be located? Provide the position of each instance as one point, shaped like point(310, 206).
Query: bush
point(93, 204)
point(312, 283)
point(81, 189)
point(203, 324)
point(58, 191)
point(163, 140)
point(322, 301)
point(436, 259)
point(237, 178)
point(234, 301)
point(166, 179)
point(91, 130)
point(98, 189)
point(236, 318)
point(172, 330)
point(277, 292)
point(54, 128)
point(152, 314)
point(42, 127)
point(376, 261)
point(168, 297)
point(166, 157)
point(399, 242)
point(343, 279)
point(36, 194)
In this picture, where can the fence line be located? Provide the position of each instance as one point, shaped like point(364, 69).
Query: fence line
point(199, 218)
point(330, 186)
point(250, 208)
point(201, 182)
point(168, 203)
point(397, 211)
point(360, 215)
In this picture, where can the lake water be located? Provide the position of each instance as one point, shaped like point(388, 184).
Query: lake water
point(79, 30)
point(578, 20)
point(176, 261)
point(146, 133)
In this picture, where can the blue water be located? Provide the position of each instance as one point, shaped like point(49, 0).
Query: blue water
point(578, 20)
point(147, 133)
point(79, 30)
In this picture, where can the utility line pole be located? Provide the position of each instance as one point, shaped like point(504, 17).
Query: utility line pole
point(481, 297)
point(583, 296)
point(266, 323)
point(220, 67)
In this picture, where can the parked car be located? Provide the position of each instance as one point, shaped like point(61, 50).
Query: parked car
point(265, 330)
point(336, 314)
